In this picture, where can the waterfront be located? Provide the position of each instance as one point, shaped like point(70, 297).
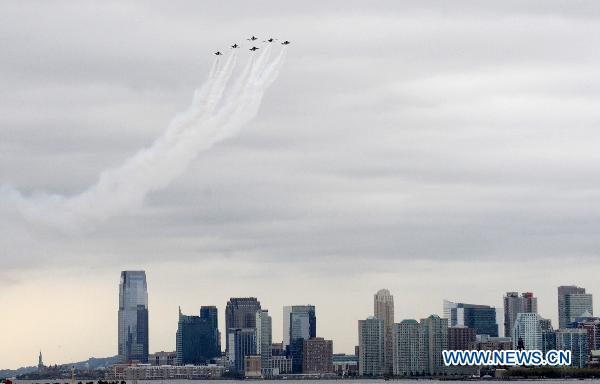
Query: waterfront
point(339, 381)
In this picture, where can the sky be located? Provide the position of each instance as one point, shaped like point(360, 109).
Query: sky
point(439, 150)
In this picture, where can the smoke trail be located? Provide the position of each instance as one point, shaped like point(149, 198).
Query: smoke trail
point(219, 109)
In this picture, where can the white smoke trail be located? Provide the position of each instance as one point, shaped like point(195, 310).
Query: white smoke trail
point(218, 111)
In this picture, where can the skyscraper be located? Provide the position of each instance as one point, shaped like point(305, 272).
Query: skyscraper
point(240, 313)
point(592, 327)
point(384, 310)
point(434, 331)
point(408, 348)
point(572, 303)
point(576, 341)
point(371, 347)
point(317, 356)
point(211, 313)
point(242, 343)
point(302, 326)
point(264, 341)
point(527, 331)
point(514, 304)
point(133, 316)
point(196, 340)
point(287, 311)
point(482, 318)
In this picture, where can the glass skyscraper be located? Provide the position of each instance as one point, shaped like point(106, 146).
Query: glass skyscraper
point(133, 316)
point(242, 343)
point(573, 302)
point(197, 337)
point(482, 318)
point(240, 312)
point(303, 326)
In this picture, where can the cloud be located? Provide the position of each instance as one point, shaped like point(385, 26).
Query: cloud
point(449, 134)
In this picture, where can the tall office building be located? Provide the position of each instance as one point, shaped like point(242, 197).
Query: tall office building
point(287, 312)
point(197, 337)
point(572, 303)
point(384, 310)
point(461, 338)
point(242, 343)
point(481, 318)
point(371, 346)
point(264, 341)
point(408, 348)
point(548, 335)
point(576, 341)
point(317, 356)
point(527, 331)
point(240, 312)
point(434, 333)
point(302, 326)
point(514, 304)
point(133, 316)
point(211, 313)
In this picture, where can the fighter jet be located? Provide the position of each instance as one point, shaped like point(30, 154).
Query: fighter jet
point(254, 49)
point(235, 46)
point(253, 38)
point(218, 53)
point(270, 40)
point(286, 43)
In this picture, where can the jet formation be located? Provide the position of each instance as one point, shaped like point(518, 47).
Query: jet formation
point(254, 48)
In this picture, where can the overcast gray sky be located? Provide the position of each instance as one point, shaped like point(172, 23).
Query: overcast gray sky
point(437, 149)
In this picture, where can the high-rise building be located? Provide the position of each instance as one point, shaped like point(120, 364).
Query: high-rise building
point(514, 304)
point(197, 337)
point(384, 310)
point(572, 303)
point(482, 318)
point(133, 316)
point(240, 312)
point(548, 335)
point(408, 348)
point(460, 337)
point(371, 347)
point(527, 331)
point(287, 311)
point(211, 313)
point(242, 343)
point(592, 327)
point(317, 356)
point(264, 341)
point(576, 341)
point(434, 331)
point(302, 326)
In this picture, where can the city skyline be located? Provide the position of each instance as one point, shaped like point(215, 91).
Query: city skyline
point(136, 283)
point(438, 150)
